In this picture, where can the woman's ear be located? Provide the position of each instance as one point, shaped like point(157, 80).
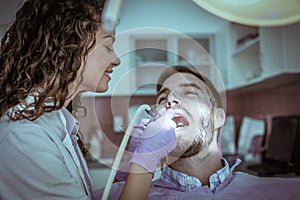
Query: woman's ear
point(219, 118)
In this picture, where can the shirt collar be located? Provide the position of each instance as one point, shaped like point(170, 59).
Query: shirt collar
point(186, 183)
point(72, 124)
point(219, 176)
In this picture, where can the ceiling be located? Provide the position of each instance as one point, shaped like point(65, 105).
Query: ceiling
point(8, 9)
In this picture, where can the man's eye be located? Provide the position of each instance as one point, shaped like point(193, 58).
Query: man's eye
point(191, 93)
point(162, 100)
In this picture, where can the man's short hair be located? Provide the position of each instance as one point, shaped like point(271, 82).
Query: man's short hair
point(169, 71)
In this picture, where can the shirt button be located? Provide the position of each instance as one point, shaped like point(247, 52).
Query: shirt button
point(181, 181)
point(190, 180)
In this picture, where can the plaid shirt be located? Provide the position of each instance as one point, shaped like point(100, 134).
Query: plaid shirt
point(187, 183)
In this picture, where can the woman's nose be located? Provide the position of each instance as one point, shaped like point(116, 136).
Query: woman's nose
point(116, 61)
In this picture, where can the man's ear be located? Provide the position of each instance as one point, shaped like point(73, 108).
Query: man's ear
point(219, 118)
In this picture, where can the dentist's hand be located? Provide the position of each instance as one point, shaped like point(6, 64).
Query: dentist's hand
point(155, 142)
point(123, 171)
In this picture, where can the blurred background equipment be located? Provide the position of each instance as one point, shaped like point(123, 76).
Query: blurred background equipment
point(282, 151)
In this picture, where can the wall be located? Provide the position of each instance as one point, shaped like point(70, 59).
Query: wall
point(264, 104)
point(180, 15)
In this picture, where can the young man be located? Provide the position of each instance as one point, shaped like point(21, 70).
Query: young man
point(194, 169)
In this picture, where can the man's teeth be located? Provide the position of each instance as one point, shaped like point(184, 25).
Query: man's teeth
point(180, 124)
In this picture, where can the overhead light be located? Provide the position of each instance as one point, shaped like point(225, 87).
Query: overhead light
point(254, 12)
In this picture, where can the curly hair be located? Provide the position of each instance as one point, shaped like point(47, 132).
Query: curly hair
point(42, 51)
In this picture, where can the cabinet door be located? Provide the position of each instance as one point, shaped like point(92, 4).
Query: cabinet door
point(272, 50)
point(195, 51)
point(149, 58)
point(244, 64)
point(222, 53)
point(280, 48)
point(292, 33)
point(152, 53)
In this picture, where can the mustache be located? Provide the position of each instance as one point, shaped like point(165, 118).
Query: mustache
point(177, 107)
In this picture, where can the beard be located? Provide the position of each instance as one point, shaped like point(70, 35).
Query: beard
point(202, 140)
point(192, 150)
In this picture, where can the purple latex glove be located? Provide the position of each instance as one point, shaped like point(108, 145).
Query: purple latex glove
point(155, 142)
point(123, 171)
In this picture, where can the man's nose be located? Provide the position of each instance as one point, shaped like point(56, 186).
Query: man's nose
point(173, 101)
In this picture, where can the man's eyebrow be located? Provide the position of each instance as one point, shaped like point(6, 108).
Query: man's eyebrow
point(185, 85)
point(193, 85)
point(164, 90)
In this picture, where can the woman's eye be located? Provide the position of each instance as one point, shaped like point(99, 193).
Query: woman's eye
point(109, 49)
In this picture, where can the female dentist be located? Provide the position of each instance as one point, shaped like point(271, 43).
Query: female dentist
point(51, 52)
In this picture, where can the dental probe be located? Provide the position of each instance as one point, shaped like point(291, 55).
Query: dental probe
point(140, 127)
point(154, 115)
point(121, 150)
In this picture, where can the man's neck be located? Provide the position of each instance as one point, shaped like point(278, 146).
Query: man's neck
point(202, 168)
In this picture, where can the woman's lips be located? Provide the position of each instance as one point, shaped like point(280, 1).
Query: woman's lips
point(107, 73)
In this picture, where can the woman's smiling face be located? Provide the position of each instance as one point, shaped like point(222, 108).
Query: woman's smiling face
point(99, 64)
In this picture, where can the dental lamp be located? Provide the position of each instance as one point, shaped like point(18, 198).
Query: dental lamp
point(254, 12)
point(111, 15)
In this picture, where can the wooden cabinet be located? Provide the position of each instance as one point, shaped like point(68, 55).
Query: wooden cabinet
point(152, 54)
point(280, 48)
point(259, 53)
point(244, 63)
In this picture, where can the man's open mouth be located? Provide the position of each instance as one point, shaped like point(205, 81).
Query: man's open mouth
point(180, 121)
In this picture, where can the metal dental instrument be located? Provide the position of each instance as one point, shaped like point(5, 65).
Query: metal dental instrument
point(154, 115)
